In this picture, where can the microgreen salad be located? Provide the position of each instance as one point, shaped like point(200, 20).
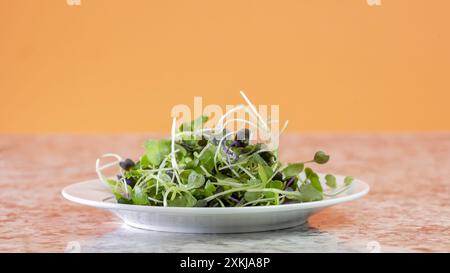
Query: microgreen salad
point(212, 167)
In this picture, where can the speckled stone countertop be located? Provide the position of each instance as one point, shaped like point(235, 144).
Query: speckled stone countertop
point(407, 209)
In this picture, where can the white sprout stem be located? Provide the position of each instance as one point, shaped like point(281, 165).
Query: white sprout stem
point(284, 127)
point(338, 191)
point(165, 184)
point(228, 191)
point(260, 118)
point(253, 109)
point(258, 201)
point(227, 183)
point(102, 177)
point(206, 172)
point(112, 155)
point(99, 173)
point(161, 166)
point(253, 112)
point(171, 189)
point(219, 127)
point(141, 180)
point(221, 203)
point(166, 194)
point(204, 149)
point(173, 157)
point(157, 170)
point(241, 120)
point(247, 172)
point(154, 200)
point(108, 165)
point(291, 193)
point(222, 118)
point(174, 161)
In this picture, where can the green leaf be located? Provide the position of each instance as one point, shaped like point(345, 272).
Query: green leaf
point(195, 180)
point(314, 179)
point(228, 180)
point(309, 173)
point(194, 124)
point(201, 203)
point(112, 183)
point(192, 164)
point(139, 196)
point(252, 196)
point(144, 162)
point(315, 182)
point(210, 189)
point(181, 151)
point(293, 169)
point(207, 158)
point(165, 178)
point(118, 191)
point(264, 172)
point(259, 160)
point(309, 193)
point(184, 176)
point(331, 181)
point(184, 199)
point(254, 182)
point(190, 199)
point(348, 180)
point(156, 150)
point(275, 185)
point(123, 200)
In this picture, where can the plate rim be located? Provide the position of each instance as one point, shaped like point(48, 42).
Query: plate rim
point(209, 210)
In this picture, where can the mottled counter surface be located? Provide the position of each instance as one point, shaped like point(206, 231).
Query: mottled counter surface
point(408, 208)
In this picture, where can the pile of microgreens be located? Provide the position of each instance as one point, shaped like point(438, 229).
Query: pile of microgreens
point(211, 167)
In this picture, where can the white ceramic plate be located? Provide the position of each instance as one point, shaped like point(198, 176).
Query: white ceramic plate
point(207, 220)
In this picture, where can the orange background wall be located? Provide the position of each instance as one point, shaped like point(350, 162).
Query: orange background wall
point(120, 65)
